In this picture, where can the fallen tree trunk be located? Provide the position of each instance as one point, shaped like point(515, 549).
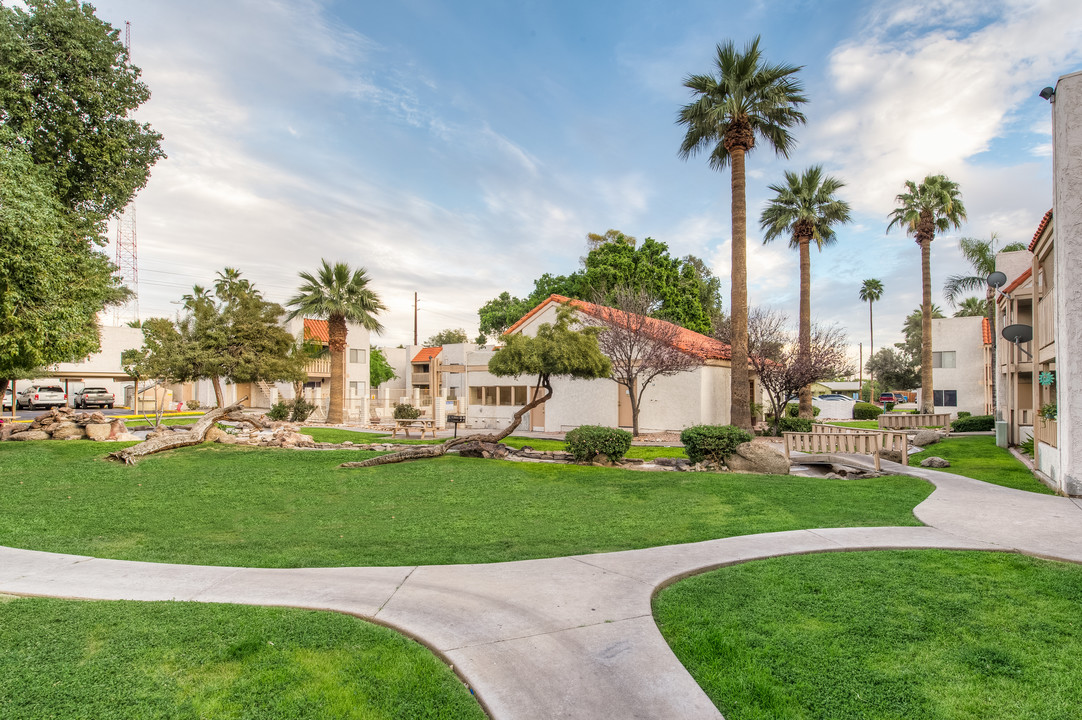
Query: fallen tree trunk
point(130, 455)
point(429, 451)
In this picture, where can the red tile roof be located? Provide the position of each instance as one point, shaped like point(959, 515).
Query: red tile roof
point(427, 354)
point(986, 331)
point(1040, 229)
point(688, 341)
point(1018, 280)
point(316, 330)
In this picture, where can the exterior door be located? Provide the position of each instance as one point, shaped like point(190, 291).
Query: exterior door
point(624, 417)
point(537, 415)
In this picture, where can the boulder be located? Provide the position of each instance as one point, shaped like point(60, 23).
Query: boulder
point(98, 431)
point(68, 431)
point(30, 435)
point(934, 462)
point(117, 428)
point(215, 434)
point(892, 456)
point(758, 457)
point(923, 438)
point(476, 449)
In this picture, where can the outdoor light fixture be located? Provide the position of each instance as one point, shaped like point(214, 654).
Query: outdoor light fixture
point(1049, 94)
point(1019, 334)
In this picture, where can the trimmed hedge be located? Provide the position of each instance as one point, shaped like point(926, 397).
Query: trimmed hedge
point(866, 411)
point(791, 424)
point(588, 441)
point(713, 443)
point(792, 410)
point(974, 423)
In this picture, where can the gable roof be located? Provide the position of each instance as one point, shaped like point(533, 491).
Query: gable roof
point(688, 341)
point(986, 331)
point(1018, 280)
point(316, 330)
point(1040, 229)
point(426, 354)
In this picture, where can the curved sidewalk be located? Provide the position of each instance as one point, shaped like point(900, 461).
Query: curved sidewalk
point(568, 637)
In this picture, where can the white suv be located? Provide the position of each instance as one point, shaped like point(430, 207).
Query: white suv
point(41, 396)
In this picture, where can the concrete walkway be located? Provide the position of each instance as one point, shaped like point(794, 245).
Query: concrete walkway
point(568, 637)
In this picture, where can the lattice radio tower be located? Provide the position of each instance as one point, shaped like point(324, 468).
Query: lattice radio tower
point(127, 249)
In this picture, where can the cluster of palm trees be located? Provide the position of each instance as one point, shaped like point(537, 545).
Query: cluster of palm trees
point(750, 100)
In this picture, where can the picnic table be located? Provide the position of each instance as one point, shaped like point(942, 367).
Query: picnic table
point(406, 424)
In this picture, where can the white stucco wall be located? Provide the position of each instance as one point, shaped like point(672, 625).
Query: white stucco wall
point(105, 362)
point(965, 337)
point(1067, 211)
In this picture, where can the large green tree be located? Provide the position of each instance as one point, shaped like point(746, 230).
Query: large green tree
point(338, 294)
point(870, 292)
point(805, 208)
point(450, 336)
point(379, 370)
point(972, 307)
point(70, 156)
point(748, 99)
point(934, 205)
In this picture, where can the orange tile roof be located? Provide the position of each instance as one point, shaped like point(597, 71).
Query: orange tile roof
point(427, 354)
point(688, 341)
point(316, 330)
point(1040, 229)
point(1018, 280)
point(986, 331)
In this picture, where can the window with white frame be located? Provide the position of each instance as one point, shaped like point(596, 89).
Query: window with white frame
point(945, 398)
point(358, 388)
point(945, 359)
point(357, 356)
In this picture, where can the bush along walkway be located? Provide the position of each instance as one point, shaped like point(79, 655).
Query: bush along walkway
point(569, 637)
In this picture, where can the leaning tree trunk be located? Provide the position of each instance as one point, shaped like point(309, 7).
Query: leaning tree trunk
point(430, 451)
point(926, 392)
point(805, 410)
point(130, 455)
point(740, 396)
point(219, 396)
point(336, 331)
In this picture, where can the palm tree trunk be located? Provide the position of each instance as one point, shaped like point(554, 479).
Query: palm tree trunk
point(336, 332)
point(805, 409)
point(740, 394)
point(871, 351)
point(927, 398)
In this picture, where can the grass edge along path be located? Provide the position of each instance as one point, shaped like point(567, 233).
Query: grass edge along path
point(127, 660)
point(978, 457)
point(228, 505)
point(877, 635)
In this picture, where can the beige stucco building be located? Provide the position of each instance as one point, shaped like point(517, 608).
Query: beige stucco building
point(961, 365)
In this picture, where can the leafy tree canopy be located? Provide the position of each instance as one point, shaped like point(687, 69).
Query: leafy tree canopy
point(447, 337)
point(557, 349)
point(895, 369)
point(379, 370)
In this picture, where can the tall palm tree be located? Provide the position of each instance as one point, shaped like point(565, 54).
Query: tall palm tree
point(805, 208)
point(933, 205)
point(972, 307)
point(340, 295)
point(870, 292)
point(748, 98)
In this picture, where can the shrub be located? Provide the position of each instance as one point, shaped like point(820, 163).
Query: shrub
point(405, 411)
point(300, 410)
point(866, 411)
point(792, 410)
point(1027, 446)
point(974, 423)
point(279, 411)
point(192, 404)
point(1049, 411)
point(791, 424)
point(588, 441)
point(713, 443)
point(888, 407)
point(964, 414)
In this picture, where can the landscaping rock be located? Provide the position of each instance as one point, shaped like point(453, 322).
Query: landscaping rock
point(477, 449)
point(68, 431)
point(892, 456)
point(30, 435)
point(216, 434)
point(758, 457)
point(923, 438)
point(98, 431)
point(934, 462)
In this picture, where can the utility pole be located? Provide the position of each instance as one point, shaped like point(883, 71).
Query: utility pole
point(860, 383)
point(415, 317)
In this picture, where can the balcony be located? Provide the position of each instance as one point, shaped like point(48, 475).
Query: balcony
point(422, 379)
point(318, 368)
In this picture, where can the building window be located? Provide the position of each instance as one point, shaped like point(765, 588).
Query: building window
point(357, 389)
point(357, 356)
point(945, 398)
point(944, 359)
point(477, 395)
point(520, 395)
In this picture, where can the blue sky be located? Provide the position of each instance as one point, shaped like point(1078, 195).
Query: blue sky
point(459, 149)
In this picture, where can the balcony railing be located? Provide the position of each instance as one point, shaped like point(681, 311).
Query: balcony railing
point(422, 378)
point(1045, 312)
point(318, 368)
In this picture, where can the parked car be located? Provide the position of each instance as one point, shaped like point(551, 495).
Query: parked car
point(41, 396)
point(94, 396)
point(7, 398)
point(836, 396)
point(890, 397)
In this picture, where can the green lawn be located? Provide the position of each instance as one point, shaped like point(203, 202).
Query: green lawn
point(934, 635)
point(134, 660)
point(227, 505)
point(863, 424)
point(978, 457)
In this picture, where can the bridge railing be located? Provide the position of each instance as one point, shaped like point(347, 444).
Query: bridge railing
point(834, 443)
point(908, 420)
point(889, 441)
